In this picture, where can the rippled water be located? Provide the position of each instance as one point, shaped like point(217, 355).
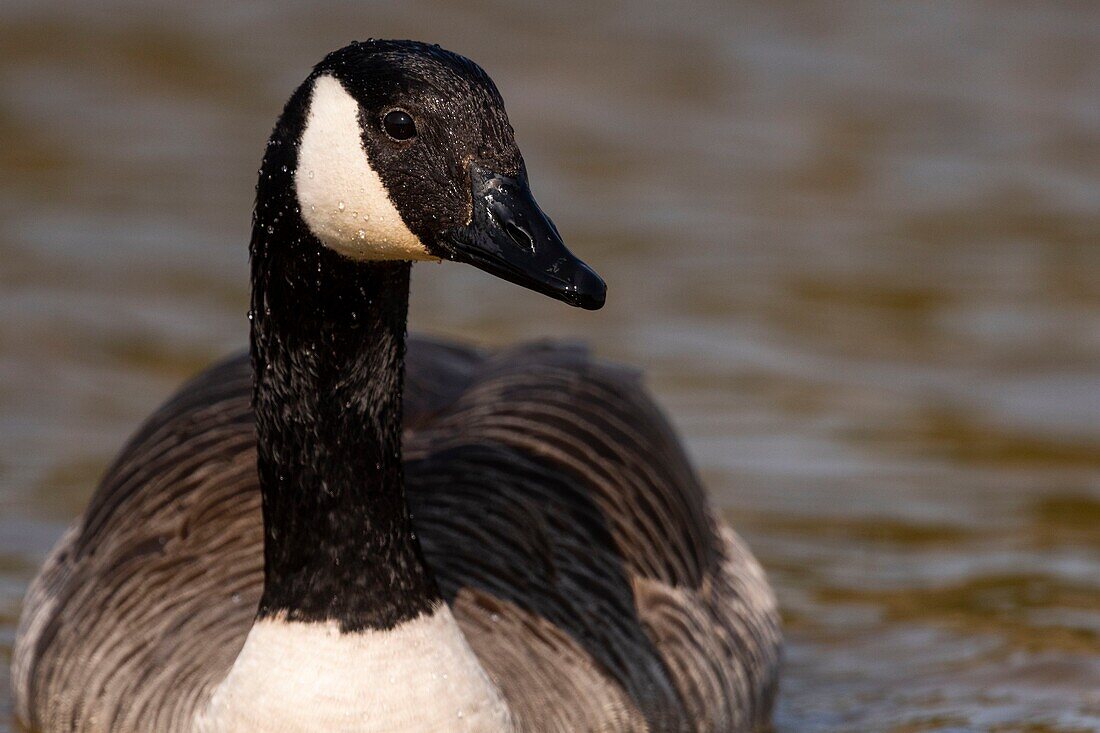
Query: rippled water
point(854, 245)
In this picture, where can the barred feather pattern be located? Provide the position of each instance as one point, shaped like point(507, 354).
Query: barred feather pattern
point(555, 507)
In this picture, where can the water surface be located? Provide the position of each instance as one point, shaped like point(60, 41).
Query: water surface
point(853, 245)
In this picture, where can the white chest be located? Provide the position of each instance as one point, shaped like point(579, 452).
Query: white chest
point(298, 677)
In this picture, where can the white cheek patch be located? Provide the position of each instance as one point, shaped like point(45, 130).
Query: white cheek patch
point(343, 201)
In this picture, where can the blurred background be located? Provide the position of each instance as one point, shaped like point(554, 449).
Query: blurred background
point(854, 245)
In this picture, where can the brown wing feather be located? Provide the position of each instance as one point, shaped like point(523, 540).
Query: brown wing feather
point(161, 576)
point(553, 502)
point(588, 514)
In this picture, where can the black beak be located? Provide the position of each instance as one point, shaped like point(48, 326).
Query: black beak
point(509, 236)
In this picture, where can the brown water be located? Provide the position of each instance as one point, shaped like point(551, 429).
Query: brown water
point(854, 245)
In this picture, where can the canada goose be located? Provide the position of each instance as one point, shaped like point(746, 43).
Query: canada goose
point(517, 542)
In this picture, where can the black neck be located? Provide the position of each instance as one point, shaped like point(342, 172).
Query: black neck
point(328, 347)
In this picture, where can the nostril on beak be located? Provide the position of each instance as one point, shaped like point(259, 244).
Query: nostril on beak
point(520, 236)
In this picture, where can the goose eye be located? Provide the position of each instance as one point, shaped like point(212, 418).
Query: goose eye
point(399, 125)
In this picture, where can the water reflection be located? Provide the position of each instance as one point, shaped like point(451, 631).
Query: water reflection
point(854, 246)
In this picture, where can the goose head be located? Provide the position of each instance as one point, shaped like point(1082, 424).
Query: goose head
point(398, 150)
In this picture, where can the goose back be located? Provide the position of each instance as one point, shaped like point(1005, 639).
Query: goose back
point(555, 507)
